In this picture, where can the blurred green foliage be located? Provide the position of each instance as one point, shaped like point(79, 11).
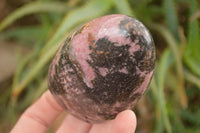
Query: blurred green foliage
point(175, 88)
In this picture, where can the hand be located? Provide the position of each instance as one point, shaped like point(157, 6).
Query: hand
point(39, 117)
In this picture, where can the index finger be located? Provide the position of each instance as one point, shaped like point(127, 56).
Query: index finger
point(38, 117)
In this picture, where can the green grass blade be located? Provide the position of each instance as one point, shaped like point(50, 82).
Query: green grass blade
point(123, 7)
point(42, 88)
point(35, 70)
point(178, 58)
point(194, 35)
point(162, 70)
point(159, 124)
point(192, 65)
point(192, 78)
point(93, 8)
point(171, 17)
point(26, 34)
point(173, 45)
point(33, 7)
point(191, 54)
point(20, 68)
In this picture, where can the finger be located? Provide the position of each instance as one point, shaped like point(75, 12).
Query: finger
point(104, 127)
point(125, 122)
point(38, 117)
point(73, 125)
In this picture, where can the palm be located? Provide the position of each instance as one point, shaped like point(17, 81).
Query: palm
point(39, 117)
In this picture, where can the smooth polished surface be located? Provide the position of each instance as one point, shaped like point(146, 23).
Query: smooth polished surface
point(103, 68)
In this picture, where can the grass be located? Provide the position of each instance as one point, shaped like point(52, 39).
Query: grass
point(175, 88)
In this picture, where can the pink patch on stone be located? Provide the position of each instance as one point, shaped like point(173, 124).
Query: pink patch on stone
point(79, 49)
point(138, 71)
point(80, 53)
point(110, 29)
point(103, 71)
point(134, 47)
point(124, 70)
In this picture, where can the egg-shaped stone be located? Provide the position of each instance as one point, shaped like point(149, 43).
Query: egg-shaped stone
point(103, 68)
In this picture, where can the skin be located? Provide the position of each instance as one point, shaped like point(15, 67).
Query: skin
point(39, 117)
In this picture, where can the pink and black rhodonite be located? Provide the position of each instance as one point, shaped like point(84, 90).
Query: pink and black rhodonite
point(103, 68)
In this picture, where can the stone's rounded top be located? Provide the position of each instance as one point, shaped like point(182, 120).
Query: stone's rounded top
point(103, 68)
point(114, 26)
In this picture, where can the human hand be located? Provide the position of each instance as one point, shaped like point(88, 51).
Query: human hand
point(39, 117)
